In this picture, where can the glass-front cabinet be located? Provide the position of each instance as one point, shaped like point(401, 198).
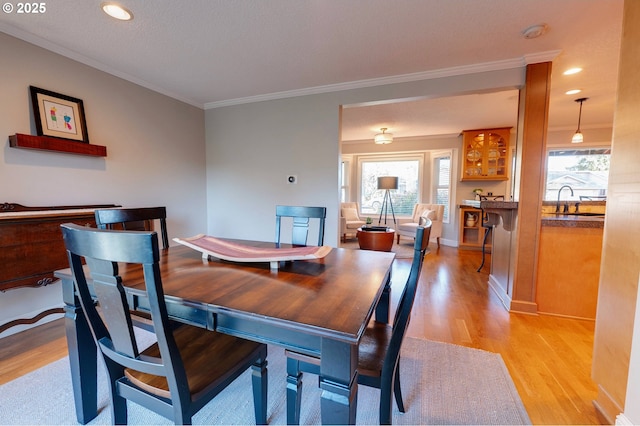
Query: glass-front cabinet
point(485, 154)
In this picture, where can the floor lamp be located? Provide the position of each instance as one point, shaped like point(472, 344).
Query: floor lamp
point(387, 183)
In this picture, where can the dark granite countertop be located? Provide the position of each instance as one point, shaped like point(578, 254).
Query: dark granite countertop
point(572, 221)
point(507, 205)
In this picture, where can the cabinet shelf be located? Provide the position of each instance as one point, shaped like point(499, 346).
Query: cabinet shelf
point(471, 237)
point(46, 143)
point(486, 154)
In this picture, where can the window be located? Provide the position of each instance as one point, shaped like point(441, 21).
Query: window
point(586, 171)
point(442, 182)
point(407, 169)
point(345, 172)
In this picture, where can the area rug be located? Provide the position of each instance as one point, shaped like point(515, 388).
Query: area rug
point(404, 250)
point(441, 384)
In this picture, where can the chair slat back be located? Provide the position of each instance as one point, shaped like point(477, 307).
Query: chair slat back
point(300, 216)
point(134, 219)
point(407, 298)
point(108, 290)
point(112, 328)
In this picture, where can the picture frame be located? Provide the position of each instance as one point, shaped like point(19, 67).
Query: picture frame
point(59, 116)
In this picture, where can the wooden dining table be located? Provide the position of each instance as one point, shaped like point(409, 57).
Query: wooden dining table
point(319, 307)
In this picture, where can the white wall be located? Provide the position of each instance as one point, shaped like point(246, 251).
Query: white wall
point(155, 152)
point(252, 147)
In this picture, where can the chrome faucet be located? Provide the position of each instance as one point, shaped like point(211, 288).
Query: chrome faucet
point(566, 206)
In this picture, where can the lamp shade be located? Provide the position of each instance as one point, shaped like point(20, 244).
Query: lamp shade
point(388, 182)
point(577, 137)
point(383, 138)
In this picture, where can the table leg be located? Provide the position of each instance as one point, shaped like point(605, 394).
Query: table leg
point(339, 382)
point(382, 309)
point(82, 356)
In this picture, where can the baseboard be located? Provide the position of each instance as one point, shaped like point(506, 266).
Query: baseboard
point(623, 420)
point(524, 307)
point(517, 306)
point(497, 289)
point(448, 243)
point(606, 406)
point(553, 314)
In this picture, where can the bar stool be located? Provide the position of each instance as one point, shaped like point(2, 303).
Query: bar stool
point(488, 221)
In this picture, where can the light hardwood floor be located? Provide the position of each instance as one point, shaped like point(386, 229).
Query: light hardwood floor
point(549, 358)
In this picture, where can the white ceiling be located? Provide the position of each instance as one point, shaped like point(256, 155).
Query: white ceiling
point(213, 53)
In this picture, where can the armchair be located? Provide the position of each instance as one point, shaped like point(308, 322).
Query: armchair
point(350, 220)
point(433, 212)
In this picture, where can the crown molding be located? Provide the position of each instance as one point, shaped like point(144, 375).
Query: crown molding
point(404, 78)
point(536, 58)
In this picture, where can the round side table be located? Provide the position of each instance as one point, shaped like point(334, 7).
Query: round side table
point(376, 240)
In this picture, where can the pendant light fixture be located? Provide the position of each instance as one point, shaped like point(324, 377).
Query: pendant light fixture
point(577, 136)
point(383, 138)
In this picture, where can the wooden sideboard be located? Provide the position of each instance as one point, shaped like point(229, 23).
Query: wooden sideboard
point(31, 245)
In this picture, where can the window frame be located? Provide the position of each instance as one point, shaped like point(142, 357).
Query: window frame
point(345, 179)
point(570, 148)
point(370, 158)
point(435, 158)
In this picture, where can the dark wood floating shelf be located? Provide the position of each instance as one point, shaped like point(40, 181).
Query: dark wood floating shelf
point(47, 143)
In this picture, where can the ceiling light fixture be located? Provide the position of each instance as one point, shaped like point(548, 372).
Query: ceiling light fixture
point(535, 31)
point(383, 138)
point(571, 71)
point(116, 11)
point(577, 136)
point(572, 92)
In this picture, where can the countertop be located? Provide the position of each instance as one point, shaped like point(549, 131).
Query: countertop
point(507, 205)
point(572, 221)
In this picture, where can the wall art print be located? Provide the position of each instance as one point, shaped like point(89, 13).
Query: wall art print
point(58, 115)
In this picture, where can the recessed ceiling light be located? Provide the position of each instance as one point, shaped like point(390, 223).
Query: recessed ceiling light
point(572, 71)
point(572, 92)
point(116, 11)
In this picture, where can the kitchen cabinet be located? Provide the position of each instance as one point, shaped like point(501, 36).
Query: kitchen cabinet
point(485, 154)
point(568, 272)
point(471, 231)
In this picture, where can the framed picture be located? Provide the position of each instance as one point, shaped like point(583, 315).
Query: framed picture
point(58, 115)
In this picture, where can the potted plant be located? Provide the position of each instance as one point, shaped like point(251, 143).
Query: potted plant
point(477, 192)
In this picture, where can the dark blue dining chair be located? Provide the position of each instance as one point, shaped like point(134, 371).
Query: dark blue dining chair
point(301, 217)
point(187, 366)
point(379, 350)
point(135, 219)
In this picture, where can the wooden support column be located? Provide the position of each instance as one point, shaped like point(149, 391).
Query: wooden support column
point(532, 158)
point(617, 318)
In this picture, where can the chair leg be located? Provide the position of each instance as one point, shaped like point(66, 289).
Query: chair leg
point(181, 417)
point(397, 390)
point(294, 391)
point(386, 402)
point(259, 381)
point(398, 239)
point(118, 404)
point(438, 240)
